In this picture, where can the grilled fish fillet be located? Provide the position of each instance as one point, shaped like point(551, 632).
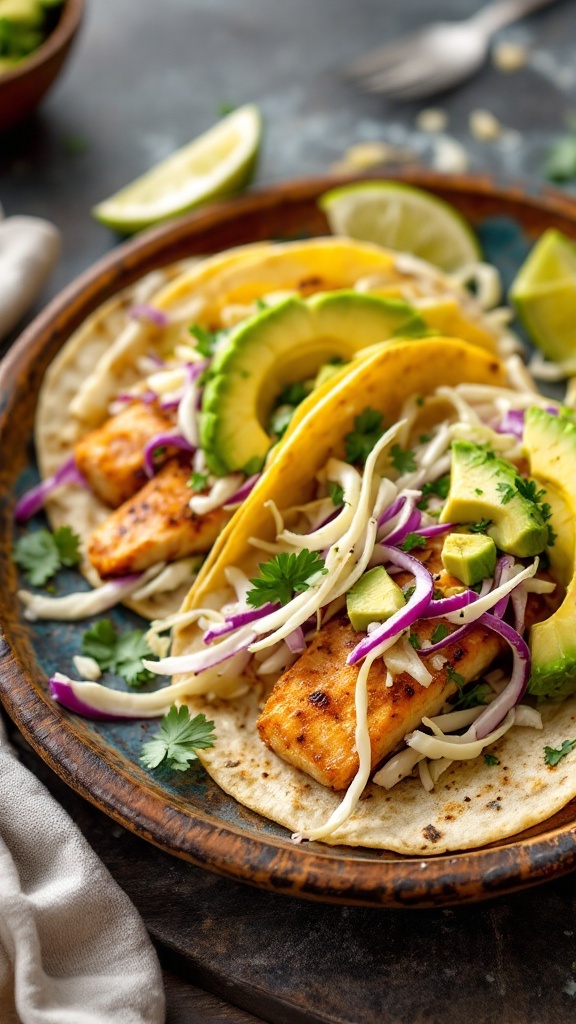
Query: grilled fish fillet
point(156, 525)
point(111, 458)
point(309, 718)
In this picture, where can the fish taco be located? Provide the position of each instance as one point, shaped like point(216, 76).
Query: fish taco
point(384, 640)
point(160, 413)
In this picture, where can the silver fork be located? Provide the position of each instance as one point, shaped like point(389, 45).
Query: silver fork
point(437, 56)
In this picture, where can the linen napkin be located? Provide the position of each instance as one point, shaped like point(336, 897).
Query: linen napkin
point(29, 250)
point(73, 949)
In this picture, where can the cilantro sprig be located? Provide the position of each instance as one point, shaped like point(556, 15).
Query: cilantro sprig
point(480, 527)
point(198, 482)
point(178, 739)
point(440, 633)
point(121, 653)
point(206, 340)
point(553, 756)
point(402, 459)
point(336, 494)
point(413, 540)
point(434, 488)
point(560, 163)
point(41, 554)
point(368, 429)
point(285, 575)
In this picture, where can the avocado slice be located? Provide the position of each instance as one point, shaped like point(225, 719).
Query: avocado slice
point(373, 598)
point(470, 557)
point(279, 346)
point(485, 487)
point(550, 444)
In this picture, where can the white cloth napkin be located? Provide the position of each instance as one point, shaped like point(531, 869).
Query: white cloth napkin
point(29, 250)
point(73, 949)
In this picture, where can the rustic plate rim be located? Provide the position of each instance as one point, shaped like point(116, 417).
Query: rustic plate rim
point(262, 861)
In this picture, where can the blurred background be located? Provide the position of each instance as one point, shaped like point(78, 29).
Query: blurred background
point(145, 78)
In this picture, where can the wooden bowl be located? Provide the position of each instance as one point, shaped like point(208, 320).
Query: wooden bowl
point(190, 816)
point(22, 89)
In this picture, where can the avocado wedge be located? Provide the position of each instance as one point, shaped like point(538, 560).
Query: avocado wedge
point(550, 444)
point(280, 346)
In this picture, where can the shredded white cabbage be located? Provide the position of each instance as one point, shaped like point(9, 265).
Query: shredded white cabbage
point(220, 492)
point(173, 576)
point(403, 658)
point(73, 607)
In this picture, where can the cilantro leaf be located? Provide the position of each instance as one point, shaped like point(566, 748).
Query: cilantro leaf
point(440, 633)
point(472, 698)
point(507, 492)
point(118, 652)
point(293, 394)
point(368, 429)
point(402, 459)
point(453, 676)
point(553, 756)
point(491, 759)
point(336, 493)
point(414, 641)
point(409, 592)
point(437, 488)
point(206, 340)
point(178, 739)
point(280, 420)
point(560, 163)
point(480, 527)
point(41, 554)
point(283, 576)
point(198, 482)
point(413, 540)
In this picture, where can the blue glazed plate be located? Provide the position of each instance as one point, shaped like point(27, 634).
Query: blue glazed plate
point(186, 813)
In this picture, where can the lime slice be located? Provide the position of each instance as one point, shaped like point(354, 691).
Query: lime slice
point(544, 294)
point(403, 218)
point(217, 163)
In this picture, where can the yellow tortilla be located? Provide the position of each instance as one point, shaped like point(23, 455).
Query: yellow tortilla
point(473, 803)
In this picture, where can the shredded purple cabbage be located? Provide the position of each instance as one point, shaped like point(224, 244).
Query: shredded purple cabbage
point(34, 499)
point(168, 438)
point(149, 314)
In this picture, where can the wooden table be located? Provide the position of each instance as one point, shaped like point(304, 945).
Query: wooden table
point(145, 78)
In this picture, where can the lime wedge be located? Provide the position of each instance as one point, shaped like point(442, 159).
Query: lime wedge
point(403, 218)
point(219, 162)
point(544, 294)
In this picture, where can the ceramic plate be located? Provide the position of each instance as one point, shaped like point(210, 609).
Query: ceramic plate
point(186, 814)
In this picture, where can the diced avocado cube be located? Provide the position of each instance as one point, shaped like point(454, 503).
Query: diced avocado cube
point(373, 598)
point(484, 486)
point(470, 557)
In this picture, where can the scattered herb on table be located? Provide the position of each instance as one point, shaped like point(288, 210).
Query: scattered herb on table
point(178, 739)
point(121, 653)
point(41, 554)
point(491, 759)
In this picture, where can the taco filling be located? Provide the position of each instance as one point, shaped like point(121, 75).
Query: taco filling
point(377, 621)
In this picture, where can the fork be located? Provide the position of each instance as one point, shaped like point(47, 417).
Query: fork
point(438, 56)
